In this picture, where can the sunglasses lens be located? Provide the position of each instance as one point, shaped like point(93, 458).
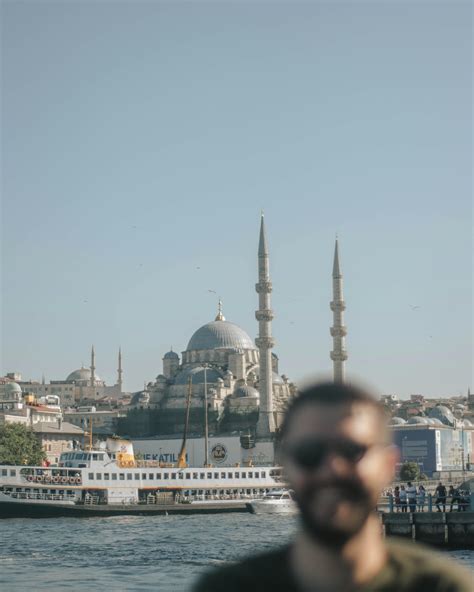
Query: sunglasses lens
point(351, 451)
point(308, 456)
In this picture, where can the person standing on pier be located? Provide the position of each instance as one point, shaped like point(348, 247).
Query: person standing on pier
point(338, 458)
point(421, 497)
point(411, 496)
point(441, 497)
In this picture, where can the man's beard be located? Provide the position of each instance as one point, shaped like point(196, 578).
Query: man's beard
point(333, 512)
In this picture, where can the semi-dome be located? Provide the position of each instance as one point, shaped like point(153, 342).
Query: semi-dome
point(418, 420)
point(220, 334)
point(444, 414)
point(197, 375)
point(246, 391)
point(81, 375)
point(397, 421)
point(12, 387)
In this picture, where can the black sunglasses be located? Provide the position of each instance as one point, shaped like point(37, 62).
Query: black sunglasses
point(310, 454)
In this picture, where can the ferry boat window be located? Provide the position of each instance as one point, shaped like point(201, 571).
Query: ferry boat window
point(195, 475)
point(222, 475)
point(150, 476)
point(181, 476)
point(12, 473)
point(94, 457)
point(188, 475)
point(229, 475)
point(257, 475)
point(166, 476)
point(101, 456)
point(91, 476)
point(244, 475)
point(4, 472)
point(106, 476)
point(216, 475)
point(201, 475)
point(143, 475)
point(263, 474)
point(122, 476)
point(114, 476)
point(173, 475)
point(237, 475)
point(129, 476)
point(98, 475)
point(137, 476)
point(209, 475)
point(158, 475)
point(251, 475)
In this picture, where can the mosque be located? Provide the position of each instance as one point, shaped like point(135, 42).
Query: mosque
point(224, 369)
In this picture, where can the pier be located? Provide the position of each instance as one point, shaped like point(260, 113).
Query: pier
point(441, 529)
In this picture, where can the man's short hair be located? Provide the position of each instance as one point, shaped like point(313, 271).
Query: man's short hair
point(331, 394)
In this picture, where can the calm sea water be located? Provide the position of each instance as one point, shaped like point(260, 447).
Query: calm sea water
point(164, 553)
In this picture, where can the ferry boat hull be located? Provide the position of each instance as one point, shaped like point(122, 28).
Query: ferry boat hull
point(47, 510)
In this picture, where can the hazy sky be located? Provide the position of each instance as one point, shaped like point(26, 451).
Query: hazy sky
point(140, 140)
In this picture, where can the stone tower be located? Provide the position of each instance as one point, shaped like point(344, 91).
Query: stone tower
point(92, 367)
point(264, 341)
point(338, 330)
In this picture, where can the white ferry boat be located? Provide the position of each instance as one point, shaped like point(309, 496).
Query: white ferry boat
point(276, 501)
point(110, 480)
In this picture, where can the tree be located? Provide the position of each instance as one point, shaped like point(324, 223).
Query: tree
point(409, 471)
point(19, 446)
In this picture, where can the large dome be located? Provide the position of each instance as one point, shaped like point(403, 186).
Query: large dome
point(220, 334)
point(81, 375)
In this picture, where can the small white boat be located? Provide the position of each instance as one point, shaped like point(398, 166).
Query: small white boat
point(278, 501)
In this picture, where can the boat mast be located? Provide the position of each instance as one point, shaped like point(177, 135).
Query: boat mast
point(182, 453)
point(206, 422)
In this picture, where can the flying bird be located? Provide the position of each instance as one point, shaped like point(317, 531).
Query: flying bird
point(414, 306)
point(213, 291)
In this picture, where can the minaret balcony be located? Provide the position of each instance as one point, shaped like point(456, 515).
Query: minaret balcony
point(264, 287)
point(265, 342)
point(338, 305)
point(264, 315)
point(339, 356)
point(338, 331)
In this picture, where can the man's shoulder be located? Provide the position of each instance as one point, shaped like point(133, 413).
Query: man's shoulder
point(253, 573)
point(415, 562)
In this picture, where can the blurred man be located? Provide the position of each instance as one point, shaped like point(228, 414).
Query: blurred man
point(338, 458)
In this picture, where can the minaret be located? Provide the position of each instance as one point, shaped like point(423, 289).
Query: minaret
point(338, 330)
point(92, 367)
point(120, 371)
point(264, 341)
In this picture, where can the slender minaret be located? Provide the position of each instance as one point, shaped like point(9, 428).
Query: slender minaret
point(338, 330)
point(120, 371)
point(264, 341)
point(92, 367)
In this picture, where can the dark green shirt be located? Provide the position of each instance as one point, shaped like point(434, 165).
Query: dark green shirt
point(410, 568)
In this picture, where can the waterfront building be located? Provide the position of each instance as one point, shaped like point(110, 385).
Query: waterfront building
point(57, 437)
point(101, 421)
point(438, 444)
point(79, 387)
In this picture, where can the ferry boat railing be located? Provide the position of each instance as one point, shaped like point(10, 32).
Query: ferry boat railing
point(37, 496)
